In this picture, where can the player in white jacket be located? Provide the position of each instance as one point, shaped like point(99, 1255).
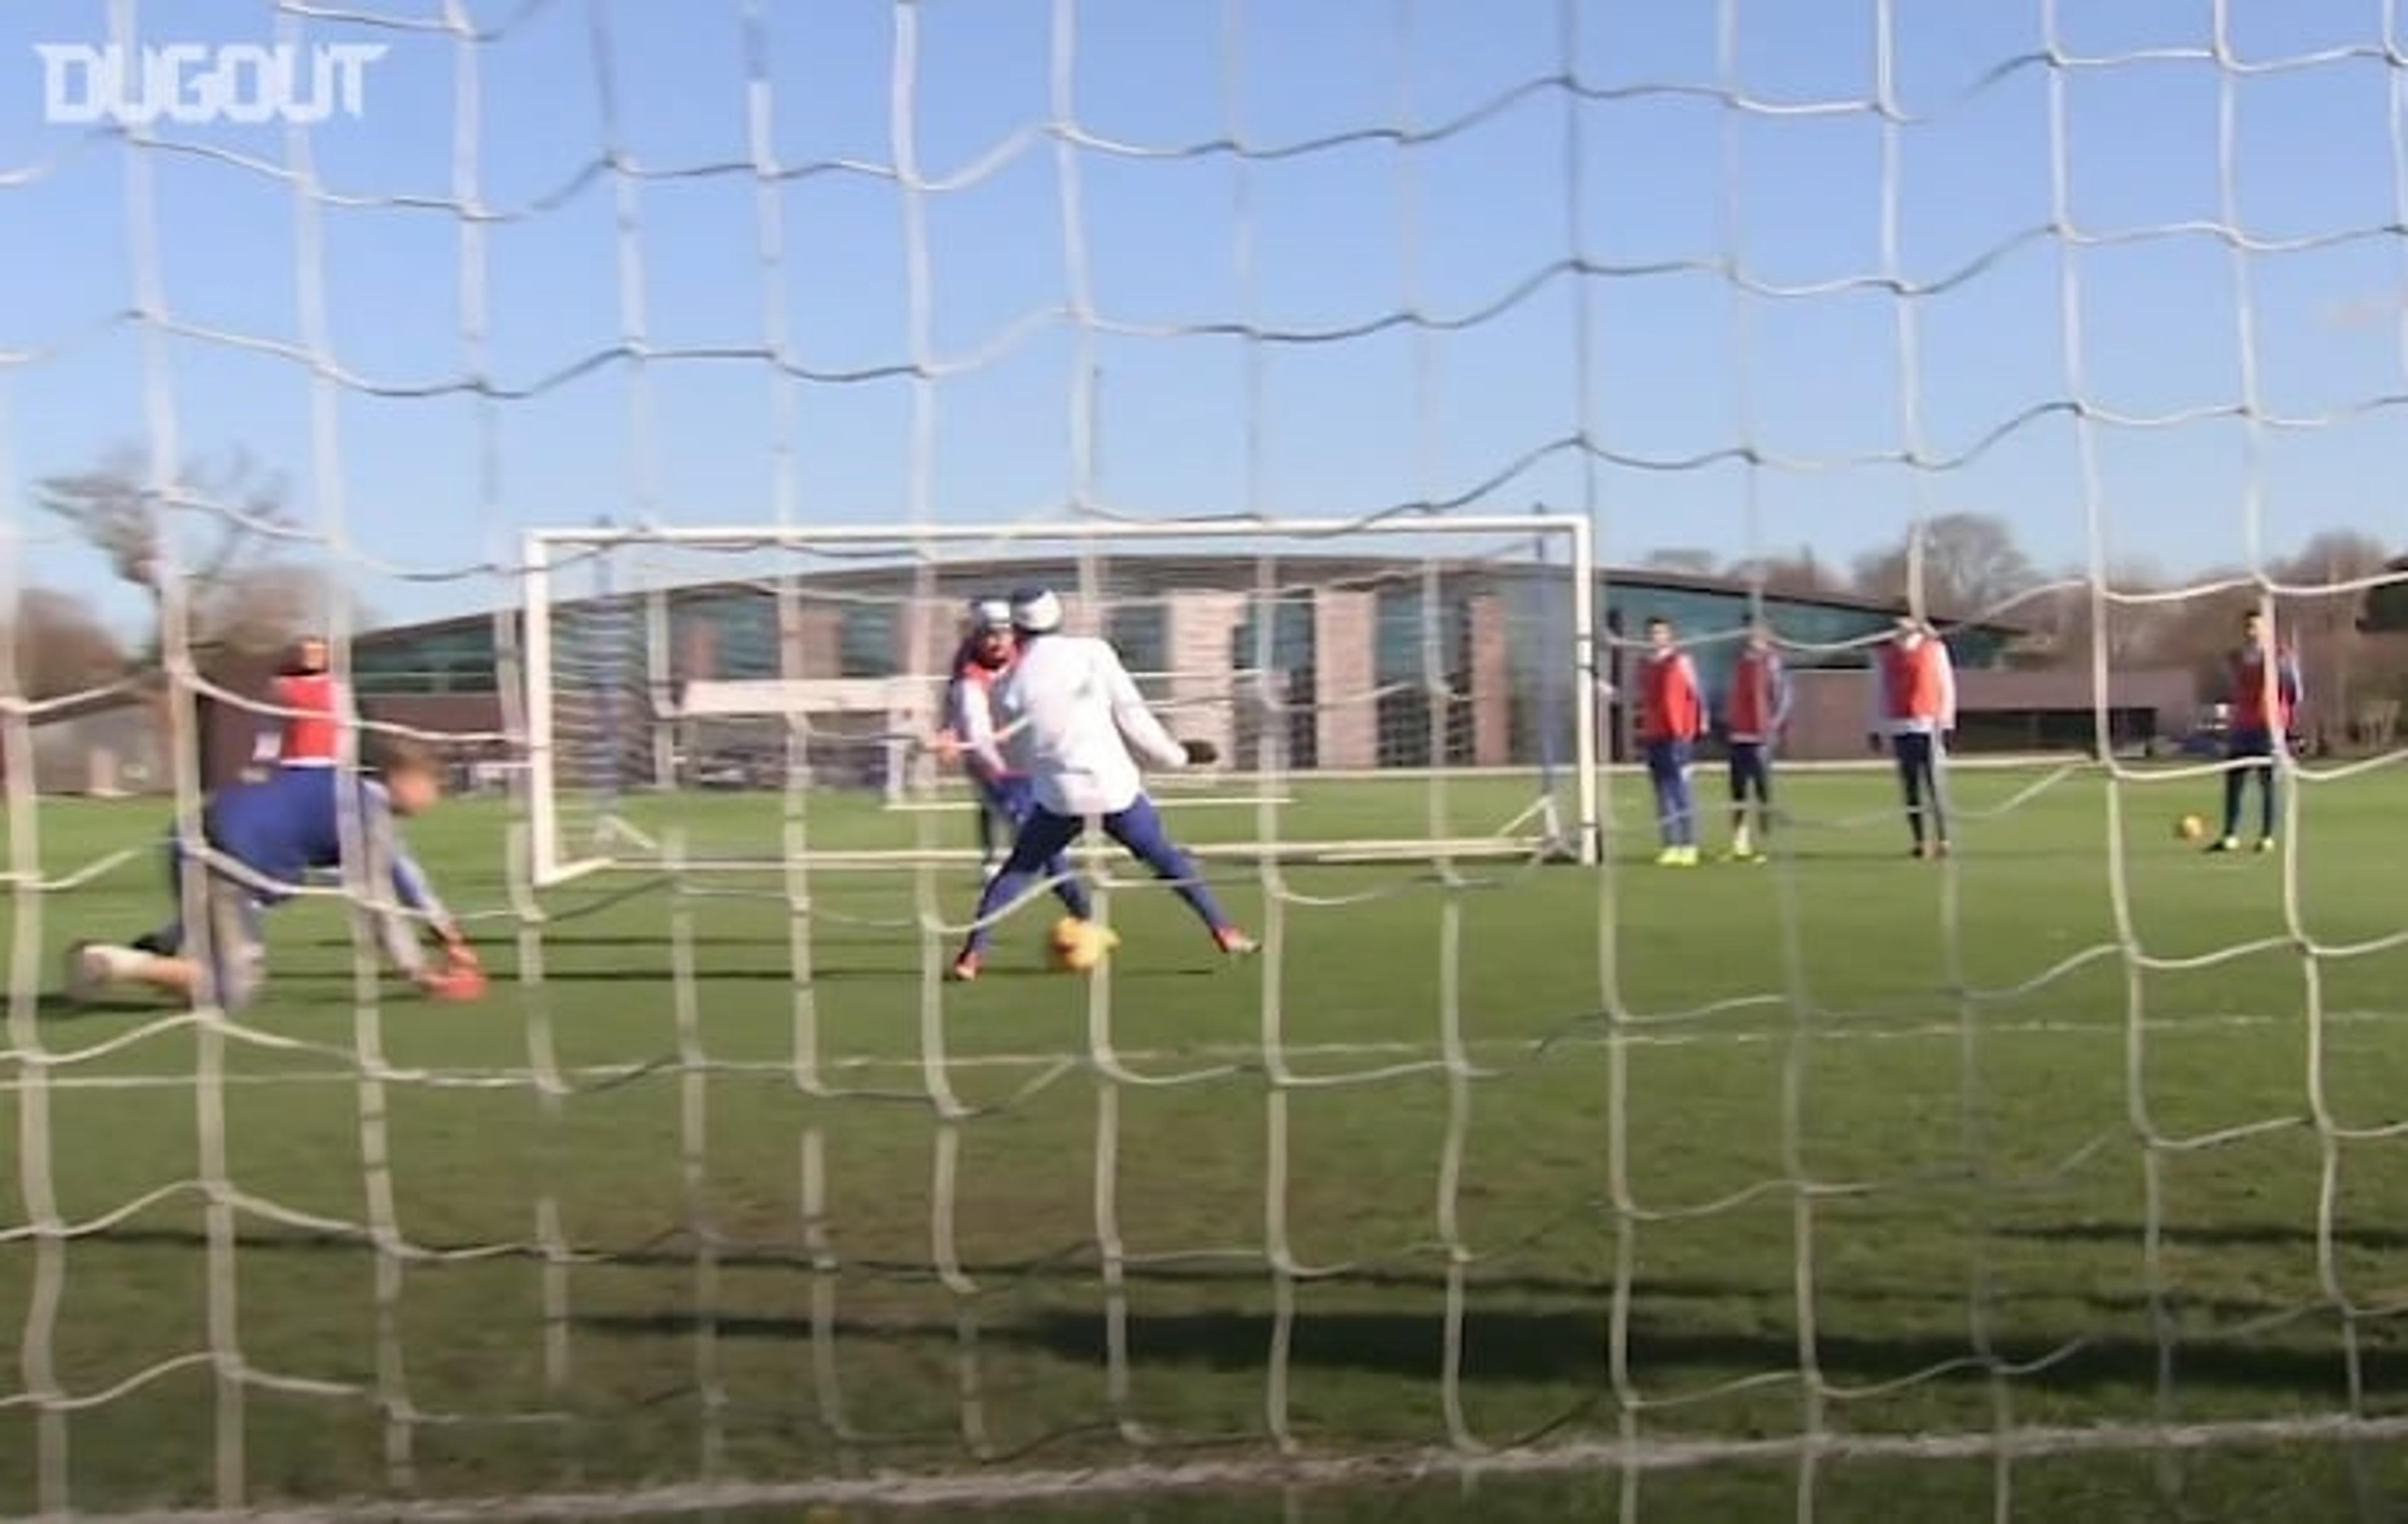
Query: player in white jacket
point(1075, 726)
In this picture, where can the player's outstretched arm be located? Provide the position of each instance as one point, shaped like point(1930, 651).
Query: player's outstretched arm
point(413, 892)
point(1947, 690)
point(974, 723)
point(1145, 735)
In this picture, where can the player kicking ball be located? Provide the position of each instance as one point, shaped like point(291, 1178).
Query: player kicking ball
point(1754, 712)
point(2265, 692)
point(275, 832)
point(1076, 727)
point(1004, 796)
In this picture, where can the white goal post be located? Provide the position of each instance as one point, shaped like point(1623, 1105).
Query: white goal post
point(606, 695)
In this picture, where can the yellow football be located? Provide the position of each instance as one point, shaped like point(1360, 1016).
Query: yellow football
point(2190, 828)
point(1076, 946)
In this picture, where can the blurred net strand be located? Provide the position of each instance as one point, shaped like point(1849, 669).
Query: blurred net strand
point(223, 1352)
point(326, 457)
point(36, 1176)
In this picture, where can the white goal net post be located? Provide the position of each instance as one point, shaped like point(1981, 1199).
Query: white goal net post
point(1450, 662)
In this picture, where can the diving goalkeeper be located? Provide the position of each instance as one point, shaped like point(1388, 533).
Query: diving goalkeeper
point(269, 837)
point(1076, 727)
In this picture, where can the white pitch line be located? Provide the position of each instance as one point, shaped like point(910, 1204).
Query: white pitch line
point(1221, 1054)
point(1144, 1478)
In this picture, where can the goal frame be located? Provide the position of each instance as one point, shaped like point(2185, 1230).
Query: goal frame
point(542, 548)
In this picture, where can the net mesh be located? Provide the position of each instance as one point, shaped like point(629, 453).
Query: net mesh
point(1408, 657)
point(2042, 1178)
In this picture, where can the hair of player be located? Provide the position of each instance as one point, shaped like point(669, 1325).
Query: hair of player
point(388, 755)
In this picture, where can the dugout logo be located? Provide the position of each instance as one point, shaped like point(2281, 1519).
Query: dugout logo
point(195, 84)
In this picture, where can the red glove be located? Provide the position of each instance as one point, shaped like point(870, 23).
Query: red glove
point(462, 977)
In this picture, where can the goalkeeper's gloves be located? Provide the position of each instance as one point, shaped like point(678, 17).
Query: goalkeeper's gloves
point(1200, 753)
point(460, 978)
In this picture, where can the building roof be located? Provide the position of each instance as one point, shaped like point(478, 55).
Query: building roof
point(1160, 572)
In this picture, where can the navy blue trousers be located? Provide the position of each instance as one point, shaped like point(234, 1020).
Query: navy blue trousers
point(1044, 838)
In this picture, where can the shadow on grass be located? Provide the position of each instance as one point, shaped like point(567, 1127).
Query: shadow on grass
point(1567, 1346)
point(1556, 1344)
point(2211, 1235)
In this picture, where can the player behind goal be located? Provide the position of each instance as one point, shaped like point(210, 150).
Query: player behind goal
point(307, 731)
point(1004, 796)
point(1755, 711)
point(1915, 706)
point(2265, 694)
point(1075, 725)
point(269, 835)
point(1672, 717)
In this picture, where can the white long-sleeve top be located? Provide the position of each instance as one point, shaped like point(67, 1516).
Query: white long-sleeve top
point(1078, 729)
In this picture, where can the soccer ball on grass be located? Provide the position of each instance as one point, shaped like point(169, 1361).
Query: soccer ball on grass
point(2190, 828)
point(1076, 947)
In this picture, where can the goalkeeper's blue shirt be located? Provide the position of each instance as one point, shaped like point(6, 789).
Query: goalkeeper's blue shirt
point(283, 828)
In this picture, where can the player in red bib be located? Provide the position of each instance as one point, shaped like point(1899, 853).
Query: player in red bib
point(1672, 717)
point(1915, 706)
point(2264, 694)
point(311, 710)
point(1754, 712)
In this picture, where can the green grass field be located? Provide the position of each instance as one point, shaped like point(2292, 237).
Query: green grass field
point(1984, 1174)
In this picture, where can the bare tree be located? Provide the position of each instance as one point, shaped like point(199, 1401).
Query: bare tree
point(1971, 563)
point(2342, 665)
point(234, 520)
point(61, 646)
point(1800, 574)
point(2068, 626)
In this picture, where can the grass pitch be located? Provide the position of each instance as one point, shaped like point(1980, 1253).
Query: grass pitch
point(775, 1227)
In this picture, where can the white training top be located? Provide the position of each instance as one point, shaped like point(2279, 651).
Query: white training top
point(1078, 729)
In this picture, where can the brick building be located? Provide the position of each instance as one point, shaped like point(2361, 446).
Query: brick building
point(1372, 662)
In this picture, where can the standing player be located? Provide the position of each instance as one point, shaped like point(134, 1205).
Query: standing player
point(2265, 692)
point(271, 835)
point(1077, 727)
point(1004, 797)
point(1753, 714)
point(1672, 717)
point(1915, 708)
point(980, 662)
point(309, 730)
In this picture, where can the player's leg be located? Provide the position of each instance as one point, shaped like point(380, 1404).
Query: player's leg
point(2269, 775)
point(1014, 803)
point(1741, 841)
point(1660, 782)
point(990, 860)
point(1747, 793)
point(1935, 794)
point(1685, 804)
point(1139, 828)
point(1043, 836)
point(1763, 776)
point(1912, 752)
point(2240, 749)
point(231, 977)
point(168, 940)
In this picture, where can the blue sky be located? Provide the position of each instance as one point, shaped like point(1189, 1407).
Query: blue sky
point(1678, 367)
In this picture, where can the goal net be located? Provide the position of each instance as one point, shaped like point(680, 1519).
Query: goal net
point(1319, 667)
point(1401, 386)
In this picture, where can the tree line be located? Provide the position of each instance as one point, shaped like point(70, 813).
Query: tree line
point(232, 532)
point(2350, 630)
